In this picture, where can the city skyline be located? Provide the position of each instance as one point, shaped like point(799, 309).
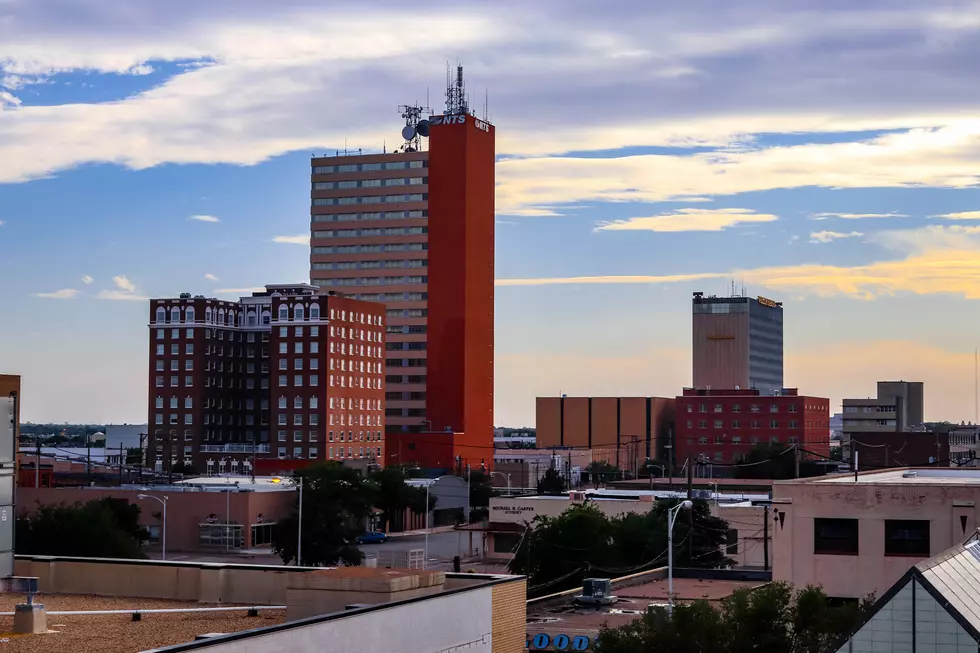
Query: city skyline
point(822, 156)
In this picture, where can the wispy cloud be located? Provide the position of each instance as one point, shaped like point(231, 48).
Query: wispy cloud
point(855, 216)
point(121, 295)
point(690, 220)
point(964, 215)
point(204, 218)
point(292, 240)
point(539, 212)
point(86, 279)
point(64, 293)
point(210, 277)
point(140, 69)
point(827, 236)
point(8, 99)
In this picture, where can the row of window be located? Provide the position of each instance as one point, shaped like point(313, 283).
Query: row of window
point(313, 381)
point(405, 362)
point(298, 347)
point(869, 409)
point(377, 231)
point(407, 312)
point(408, 329)
point(903, 537)
point(371, 249)
point(407, 346)
point(372, 265)
point(737, 424)
point(392, 296)
point(370, 199)
point(369, 183)
point(415, 379)
point(737, 439)
point(373, 281)
point(369, 215)
point(737, 408)
point(175, 349)
point(370, 167)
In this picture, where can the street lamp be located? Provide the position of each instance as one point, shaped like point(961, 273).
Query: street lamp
point(163, 502)
point(663, 472)
point(671, 518)
point(507, 476)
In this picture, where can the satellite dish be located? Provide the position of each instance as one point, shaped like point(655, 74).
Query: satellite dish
point(408, 132)
point(423, 128)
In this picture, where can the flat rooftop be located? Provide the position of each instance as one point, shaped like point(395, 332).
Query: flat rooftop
point(908, 476)
point(633, 602)
point(118, 633)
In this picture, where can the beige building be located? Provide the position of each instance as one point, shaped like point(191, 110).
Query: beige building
point(855, 537)
point(897, 407)
point(745, 520)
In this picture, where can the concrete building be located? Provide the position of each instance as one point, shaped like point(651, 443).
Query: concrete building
point(451, 494)
point(289, 372)
point(934, 607)
point(305, 609)
point(523, 468)
point(963, 443)
point(898, 407)
point(737, 342)
point(417, 233)
point(724, 425)
point(857, 537)
point(628, 430)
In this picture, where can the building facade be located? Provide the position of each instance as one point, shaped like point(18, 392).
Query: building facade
point(289, 372)
point(897, 408)
point(737, 342)
point(415, 230)
point(622, 430)
point(724, 425)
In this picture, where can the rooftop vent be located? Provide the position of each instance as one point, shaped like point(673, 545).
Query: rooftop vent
point(909, 474)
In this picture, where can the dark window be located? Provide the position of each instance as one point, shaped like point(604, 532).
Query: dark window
point(731, 541)
point(907, 537)
point(835, 536)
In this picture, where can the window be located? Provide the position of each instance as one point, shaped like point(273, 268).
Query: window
point(703, 440)
point(702, 408)
point(159, 350)
point(690, 408)
point(314, 348)
point(718, 408)
point(189, 403)
point(773, 424)
point(737, 408)
point(792, 408)
point(283, 363)
point(282, 380)
point(159, 418)
point(314, 380)
point(314, 364)
point(717, 423)
point(298, 419)
point(736, 424)
point(702, 424)
point(907, 537)
point(298, 364)
point(774, 408)
point(835, 536)
point(174, 381)
point(298, 313)
point(315, 331)
point(159, 403)
point(189, 348)
point(281, 436)
point(298, 347)
point(159, 383)
point(188, 419)
point(282, 419)
point(298, 380)
point(755, 408)
point(297, 452)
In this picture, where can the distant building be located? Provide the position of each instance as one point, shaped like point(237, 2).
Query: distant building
point(897, 408)
point(737, 343)
point(724, 425)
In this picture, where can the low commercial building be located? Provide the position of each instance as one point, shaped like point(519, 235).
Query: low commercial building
point(213, 514)
point(855, 536)
point(898, 407)
point(743, 512)
point(523, 468)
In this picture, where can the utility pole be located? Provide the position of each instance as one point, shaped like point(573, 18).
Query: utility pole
point(670, 457)
point(140, 477)
point(37, 463)
point(88, 466)
point(796, 461)
point(467, 494)
point(765, 537)
point(690, 513)
point(120, 463)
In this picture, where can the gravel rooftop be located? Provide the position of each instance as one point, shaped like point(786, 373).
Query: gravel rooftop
point(118, 633)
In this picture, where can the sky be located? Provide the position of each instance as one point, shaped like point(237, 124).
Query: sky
point(822, 153)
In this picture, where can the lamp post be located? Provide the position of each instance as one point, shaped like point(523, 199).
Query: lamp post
point(162, 502)
point(663, 472)
point(507, 476)
point(299, 536)
point(425, 554)
point(671, 518)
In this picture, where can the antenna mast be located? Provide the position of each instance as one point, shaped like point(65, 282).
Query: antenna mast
point(456, 103)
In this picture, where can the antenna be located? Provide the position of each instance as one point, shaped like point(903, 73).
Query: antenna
point(456, 99)
point(415, 127)
point(486, 105)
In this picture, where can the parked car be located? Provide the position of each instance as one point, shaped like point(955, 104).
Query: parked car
point(372, 537)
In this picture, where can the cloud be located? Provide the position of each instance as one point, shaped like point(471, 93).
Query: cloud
point(124, 284)
point(938, 260)
point(86, 279)
point(293, 240)
point(140, 69)
point(64, 293)
point(540, 212)
point(690, 220)
point(855, 216)
point(965, 215)
point(210, 277)
point(8, 99)
point(204, 218)
point(121, 295)
point(827, 236)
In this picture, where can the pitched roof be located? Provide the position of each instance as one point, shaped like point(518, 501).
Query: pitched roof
point(955, 574)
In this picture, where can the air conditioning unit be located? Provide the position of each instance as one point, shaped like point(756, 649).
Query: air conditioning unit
point(596, 591)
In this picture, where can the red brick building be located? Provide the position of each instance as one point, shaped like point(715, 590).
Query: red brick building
point(724, 425)
point(289, 372)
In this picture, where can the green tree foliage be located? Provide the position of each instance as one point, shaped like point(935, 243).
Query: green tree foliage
point(559, 551)
point(392, 497)
point(185, 469)
point(481, 489)
point(773, 617)
point(551, 483)
point(602, 472)
point(102, 528)
point(337, 502)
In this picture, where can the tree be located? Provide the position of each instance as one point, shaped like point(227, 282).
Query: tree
point(559, 551)
point(551, 483)
point(392, 496)
point(101, 528)
point(337, 502)
point(603, 471)
point(773, 617)
point(481, 489)
point(185, 469)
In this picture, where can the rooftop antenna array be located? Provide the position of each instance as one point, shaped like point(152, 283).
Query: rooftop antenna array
point(456, 100)
point(416, 126)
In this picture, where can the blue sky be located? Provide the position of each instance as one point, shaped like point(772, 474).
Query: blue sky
point(822, 155)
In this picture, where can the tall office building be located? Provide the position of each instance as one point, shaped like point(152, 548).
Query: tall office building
point(288, 373)
point(415, 229)
point(738, 343)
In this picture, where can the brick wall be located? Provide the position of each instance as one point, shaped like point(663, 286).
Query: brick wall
point(509, 603)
